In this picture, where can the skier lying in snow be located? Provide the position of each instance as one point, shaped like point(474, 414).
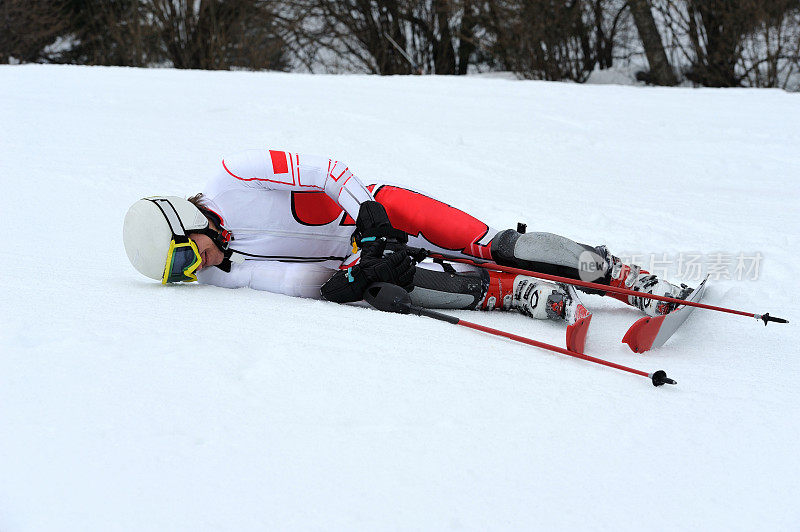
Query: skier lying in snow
point(306, 226)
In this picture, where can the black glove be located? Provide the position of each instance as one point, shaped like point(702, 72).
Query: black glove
point(394, 267)
point(374, 235)
point(373, 225)
point(349, 285)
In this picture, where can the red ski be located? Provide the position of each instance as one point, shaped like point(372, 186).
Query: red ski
point(651, 332)
point(578, 318)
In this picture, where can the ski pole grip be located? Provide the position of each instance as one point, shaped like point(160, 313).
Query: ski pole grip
point(767, 318)
point(388, 298)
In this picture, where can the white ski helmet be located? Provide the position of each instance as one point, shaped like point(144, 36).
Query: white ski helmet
point(154, 228)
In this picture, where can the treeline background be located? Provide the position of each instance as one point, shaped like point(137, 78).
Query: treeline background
point(710, 43)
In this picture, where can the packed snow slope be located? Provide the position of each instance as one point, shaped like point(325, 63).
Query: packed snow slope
point(126, 405)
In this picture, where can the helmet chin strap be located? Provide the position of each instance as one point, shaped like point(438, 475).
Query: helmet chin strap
point(221, 240)
point(216, 237)
point(230, 257)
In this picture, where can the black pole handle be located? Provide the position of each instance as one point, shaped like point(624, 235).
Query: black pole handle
point(392, 298)
point(766, 317)
point(388, 298)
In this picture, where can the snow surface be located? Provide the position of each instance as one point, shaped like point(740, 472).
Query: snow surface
point(125, 405)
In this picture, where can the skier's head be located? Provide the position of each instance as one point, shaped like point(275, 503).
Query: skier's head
point(161, 235)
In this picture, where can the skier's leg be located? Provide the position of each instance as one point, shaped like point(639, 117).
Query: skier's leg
point(557, 255)
point(435, 225)
point(442, 286)
point(547, 253)
point(450, 288)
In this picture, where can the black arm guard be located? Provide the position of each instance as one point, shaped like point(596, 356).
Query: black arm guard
point(373, 221)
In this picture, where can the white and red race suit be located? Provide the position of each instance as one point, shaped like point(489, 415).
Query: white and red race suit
point(292, 216)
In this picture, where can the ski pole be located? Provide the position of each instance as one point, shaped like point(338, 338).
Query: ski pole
point(392, 298)
point(596, 286)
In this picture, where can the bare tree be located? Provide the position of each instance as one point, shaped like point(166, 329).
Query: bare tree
point(736, 43)
point(385, 36)
point(542, 39)
point(112, 32)
point(446, 34)
point(27, 27)
point(715, 31)
point(661, 72)
point(710, 42)
point(771, 53)
point(209, 34)
point(217, 34)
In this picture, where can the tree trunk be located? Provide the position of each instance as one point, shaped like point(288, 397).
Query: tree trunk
point(661, 72)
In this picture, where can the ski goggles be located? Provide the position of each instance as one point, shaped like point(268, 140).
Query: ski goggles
point(183, 259)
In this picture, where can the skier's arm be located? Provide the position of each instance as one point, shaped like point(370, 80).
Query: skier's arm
point(289, 278)
point(282, 170)
point(374, 235)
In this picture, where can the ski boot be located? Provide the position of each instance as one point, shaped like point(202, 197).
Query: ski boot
point(532, 297)
point(632, 277)
point(540, 300)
